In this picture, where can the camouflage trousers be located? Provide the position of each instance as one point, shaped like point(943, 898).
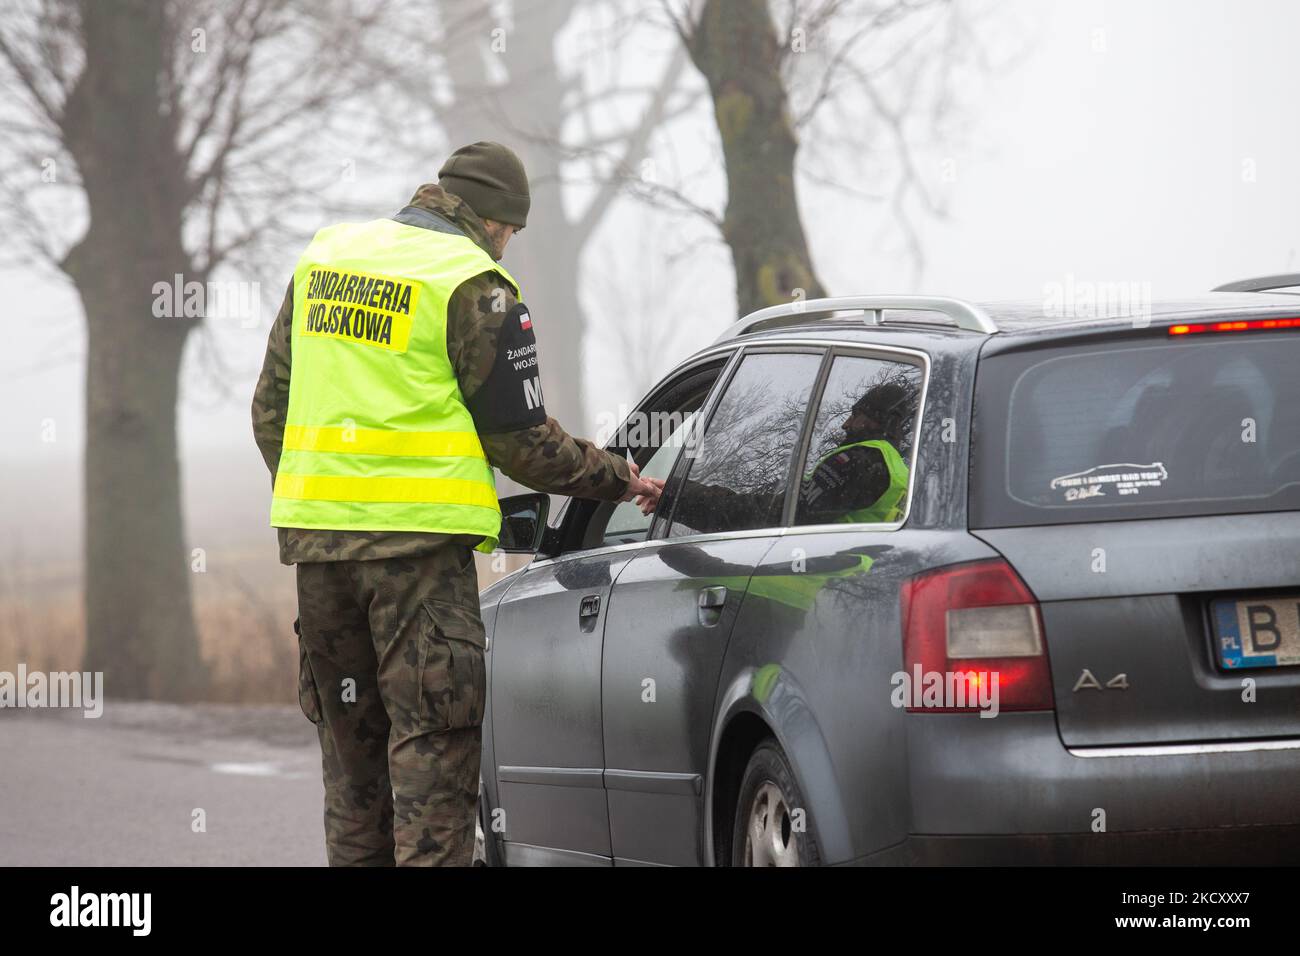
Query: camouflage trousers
point(391, 672)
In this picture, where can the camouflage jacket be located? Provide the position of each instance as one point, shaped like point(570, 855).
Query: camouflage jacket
point(542, 455)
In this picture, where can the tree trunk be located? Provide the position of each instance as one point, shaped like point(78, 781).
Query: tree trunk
point(736, 48)
point(139, 616)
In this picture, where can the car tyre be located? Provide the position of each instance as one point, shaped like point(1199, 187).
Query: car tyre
point(771, 819)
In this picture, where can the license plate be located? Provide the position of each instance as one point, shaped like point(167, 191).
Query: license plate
point(1257, 632)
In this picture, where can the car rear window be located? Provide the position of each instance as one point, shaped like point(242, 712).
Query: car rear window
point(1156, 428)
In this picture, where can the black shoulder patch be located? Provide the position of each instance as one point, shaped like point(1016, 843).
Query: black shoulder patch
point(510, 398)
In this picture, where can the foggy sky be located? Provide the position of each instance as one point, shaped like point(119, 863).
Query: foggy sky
point(1128, 164)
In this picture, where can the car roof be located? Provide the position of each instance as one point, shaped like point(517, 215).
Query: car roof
point(1012, 318)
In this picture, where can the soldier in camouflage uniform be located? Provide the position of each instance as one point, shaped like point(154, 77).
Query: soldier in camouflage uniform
point(391, 640)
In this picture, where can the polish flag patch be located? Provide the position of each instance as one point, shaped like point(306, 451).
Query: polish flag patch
point(524, 321)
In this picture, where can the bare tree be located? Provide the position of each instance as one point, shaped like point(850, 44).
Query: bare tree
point(507, 80)
point(876, 90)
point(869, 82)
point(735, 46)
point(148, 141)
point(864, 68)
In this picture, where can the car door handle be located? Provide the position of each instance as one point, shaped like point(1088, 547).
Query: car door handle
point(713, 597)
point(589, 606)
point(710, 605)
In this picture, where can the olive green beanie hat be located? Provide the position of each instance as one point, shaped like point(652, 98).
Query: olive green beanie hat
point(491, 178)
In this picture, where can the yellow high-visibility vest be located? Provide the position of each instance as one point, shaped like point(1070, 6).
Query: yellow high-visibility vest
point(377, 436)
point(889, 506)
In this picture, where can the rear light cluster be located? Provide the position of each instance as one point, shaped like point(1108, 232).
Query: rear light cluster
point(979, 619)
point(1241, 325)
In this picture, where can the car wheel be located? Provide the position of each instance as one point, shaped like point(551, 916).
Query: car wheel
point(771, 821)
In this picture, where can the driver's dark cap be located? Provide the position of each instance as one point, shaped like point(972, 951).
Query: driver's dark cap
point(887, 402)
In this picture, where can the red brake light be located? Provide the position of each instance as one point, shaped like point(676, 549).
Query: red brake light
point(1241, 325)
point(979, 619)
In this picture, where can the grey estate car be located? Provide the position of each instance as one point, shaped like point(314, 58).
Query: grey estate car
point(1075, 639)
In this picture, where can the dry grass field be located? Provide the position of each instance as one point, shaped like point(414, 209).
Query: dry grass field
point(244, 604)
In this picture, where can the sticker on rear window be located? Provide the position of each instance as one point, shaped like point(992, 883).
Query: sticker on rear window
point(1102, 481)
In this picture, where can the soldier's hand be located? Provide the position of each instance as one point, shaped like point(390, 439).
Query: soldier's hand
point(639, 486)
point(645, 491)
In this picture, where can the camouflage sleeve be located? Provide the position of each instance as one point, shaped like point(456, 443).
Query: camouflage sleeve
point(271, 395)
point(491, 345)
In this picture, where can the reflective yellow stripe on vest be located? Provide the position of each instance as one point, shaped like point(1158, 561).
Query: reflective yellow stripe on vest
point(377, 436)
point(373, 441)
point(450, 491)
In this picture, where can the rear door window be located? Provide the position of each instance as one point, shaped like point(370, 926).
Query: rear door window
point(1116, 431)
point(736, 476)
point(859, 455)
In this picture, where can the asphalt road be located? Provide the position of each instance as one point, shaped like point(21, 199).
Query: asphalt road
point(121, 790)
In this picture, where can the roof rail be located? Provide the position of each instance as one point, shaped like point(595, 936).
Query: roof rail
point(1262, 283)
point(965, 315)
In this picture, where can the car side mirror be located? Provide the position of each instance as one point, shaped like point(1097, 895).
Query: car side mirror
point(523, 523)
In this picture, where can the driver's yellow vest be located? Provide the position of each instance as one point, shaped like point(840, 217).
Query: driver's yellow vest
point(889, 506)
point(377, 436)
